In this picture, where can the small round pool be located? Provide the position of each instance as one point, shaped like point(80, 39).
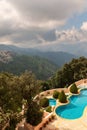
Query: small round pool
point(75, 108)
point(52, 102)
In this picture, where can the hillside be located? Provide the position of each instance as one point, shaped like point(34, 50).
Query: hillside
point(58, 58)
point(73, 71)
point(6, 56)
point(42, 68)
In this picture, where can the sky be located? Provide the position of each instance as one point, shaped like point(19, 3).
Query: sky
point(55, 25)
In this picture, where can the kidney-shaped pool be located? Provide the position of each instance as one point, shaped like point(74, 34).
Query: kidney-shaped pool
point(75, 108)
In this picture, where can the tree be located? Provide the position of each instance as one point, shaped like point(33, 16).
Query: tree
point(29, 86)
point(33, 114)
point(74, 89)
point(45, 86)
point(14, 119)
point(44, 102)
point(62, 97)
point(13, 90)
point(55, 94)
point(10, 98)
point(70, 73)
point(42, 67)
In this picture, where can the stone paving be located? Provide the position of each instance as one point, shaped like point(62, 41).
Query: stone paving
point(77, 124)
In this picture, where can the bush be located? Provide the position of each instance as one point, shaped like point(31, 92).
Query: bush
point(33, 114)
point(45, 86)
point(44, 102)
point(48, 109)
point(12, 123)
point(74, 89)
point(62, 97)
point(55, 94)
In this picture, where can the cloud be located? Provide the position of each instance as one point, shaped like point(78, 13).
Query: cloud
point(32, 23)
point(47, 14)
point(72, 35)
point(66, 40)
point(84, 26)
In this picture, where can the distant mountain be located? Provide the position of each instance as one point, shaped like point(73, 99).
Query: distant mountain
point(79, 48)
point(17, 50)
point(58, 58)
point(5, 56)
point(17, 64)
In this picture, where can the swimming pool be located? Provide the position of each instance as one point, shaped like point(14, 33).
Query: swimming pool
point(75, 108)
point(52, 102)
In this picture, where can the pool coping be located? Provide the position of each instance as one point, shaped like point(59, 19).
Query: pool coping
point(55, 101)
point(61, 104)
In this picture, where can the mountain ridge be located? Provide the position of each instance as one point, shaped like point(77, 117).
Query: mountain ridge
point(17, 64)
point(59, 58)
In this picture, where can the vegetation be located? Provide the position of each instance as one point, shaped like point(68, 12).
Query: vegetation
point(13, 90)
point(42, 68)
point(58, 58)
point(55, 94)
point(62, 97)
point(74, 89)
point(45, 86)
point(69, 73)
point(14, 119)
point(34, 115)
point(44, 102)
point(48, 109)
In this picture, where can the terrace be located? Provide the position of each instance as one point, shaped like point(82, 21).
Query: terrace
point(57, 122)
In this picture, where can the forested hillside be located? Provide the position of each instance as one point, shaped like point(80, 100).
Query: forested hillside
point(59, 58)
point(69, 73)
point(16, 90)
point(42, 68)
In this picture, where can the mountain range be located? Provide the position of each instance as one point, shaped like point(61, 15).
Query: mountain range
point(43, 64)
point(58, 58)
point(17, 64)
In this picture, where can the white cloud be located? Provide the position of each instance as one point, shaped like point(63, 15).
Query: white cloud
point(73, 35)
point(84, 26)
point(8, 14)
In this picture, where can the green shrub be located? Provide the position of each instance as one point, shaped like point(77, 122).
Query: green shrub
point(74, 89)
point(33, 114)
point(55, 94)
point(48, 109)
point(45, 86)
point(62, 97)
point(44, 102)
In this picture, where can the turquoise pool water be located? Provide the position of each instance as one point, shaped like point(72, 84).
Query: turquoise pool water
point(75, 108)
point(52, 102)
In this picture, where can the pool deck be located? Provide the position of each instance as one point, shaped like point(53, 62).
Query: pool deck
point(77, 124)
point(66, 124)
